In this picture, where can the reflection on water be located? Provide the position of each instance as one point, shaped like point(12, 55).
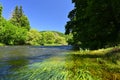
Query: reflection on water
point(14, 57)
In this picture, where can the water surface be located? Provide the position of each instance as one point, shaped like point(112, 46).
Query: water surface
point(14, 57)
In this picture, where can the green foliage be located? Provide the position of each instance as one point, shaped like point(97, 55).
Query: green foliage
point(96, 23)
point(17, 31)
point(60, 40)
point(10, 34)
point(19, 19)
point(53, 37)
point(69, 38)
point(58, 33)
point(70, 26)
point(1, 14)
point(33, 37)
point(1, 44)
point(1, 10)
point(20, 36)
point(48, 37)
point(25, 22)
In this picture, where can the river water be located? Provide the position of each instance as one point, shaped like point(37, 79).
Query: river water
point(12, 57)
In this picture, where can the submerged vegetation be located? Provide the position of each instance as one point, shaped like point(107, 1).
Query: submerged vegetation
point(102, 64)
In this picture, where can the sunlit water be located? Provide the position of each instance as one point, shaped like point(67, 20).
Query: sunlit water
point(14, 57)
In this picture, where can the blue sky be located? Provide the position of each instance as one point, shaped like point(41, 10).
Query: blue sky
point(42, 14)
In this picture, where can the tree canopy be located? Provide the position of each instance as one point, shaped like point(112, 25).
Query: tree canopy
point(97, 23)
point(19, 19)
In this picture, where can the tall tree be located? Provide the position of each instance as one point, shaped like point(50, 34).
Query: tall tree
point(21, 11)
point(71, 24)
point(97, 23)
point(19, 19)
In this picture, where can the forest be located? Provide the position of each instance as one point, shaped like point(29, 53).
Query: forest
point(17, 31)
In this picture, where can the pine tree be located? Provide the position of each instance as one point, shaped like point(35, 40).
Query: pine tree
point(1, 10)
point(1, 15)
point(21, 11)
point(19, 19)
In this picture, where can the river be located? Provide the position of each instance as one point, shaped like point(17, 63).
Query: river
point(14, 57)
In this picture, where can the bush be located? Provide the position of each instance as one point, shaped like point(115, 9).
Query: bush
point(33, 37)
point(10, 34)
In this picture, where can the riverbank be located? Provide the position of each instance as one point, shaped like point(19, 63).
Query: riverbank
point(1, 44)
point(102, 64)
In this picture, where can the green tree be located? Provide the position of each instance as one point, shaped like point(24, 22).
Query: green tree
point(1, 14)
point(25, 22)
point(69, 38)
point(97, 23)
point(48, 37)
point(33, 38)
point(19, 19)
point(9, 33)
point(12, 35)
point(1, 10)
point(20, 36)
point(15, 19)
point(69, 27)
point(60, 40)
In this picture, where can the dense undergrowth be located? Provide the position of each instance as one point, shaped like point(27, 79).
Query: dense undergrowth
point(103, 64)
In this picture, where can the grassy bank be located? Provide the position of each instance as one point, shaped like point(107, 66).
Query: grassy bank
point(103, 64)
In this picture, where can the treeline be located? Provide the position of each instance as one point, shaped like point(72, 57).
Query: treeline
point(16, 31)
point(45, 38)
point(94, 24)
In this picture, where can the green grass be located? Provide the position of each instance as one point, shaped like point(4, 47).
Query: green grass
point(102, 64)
